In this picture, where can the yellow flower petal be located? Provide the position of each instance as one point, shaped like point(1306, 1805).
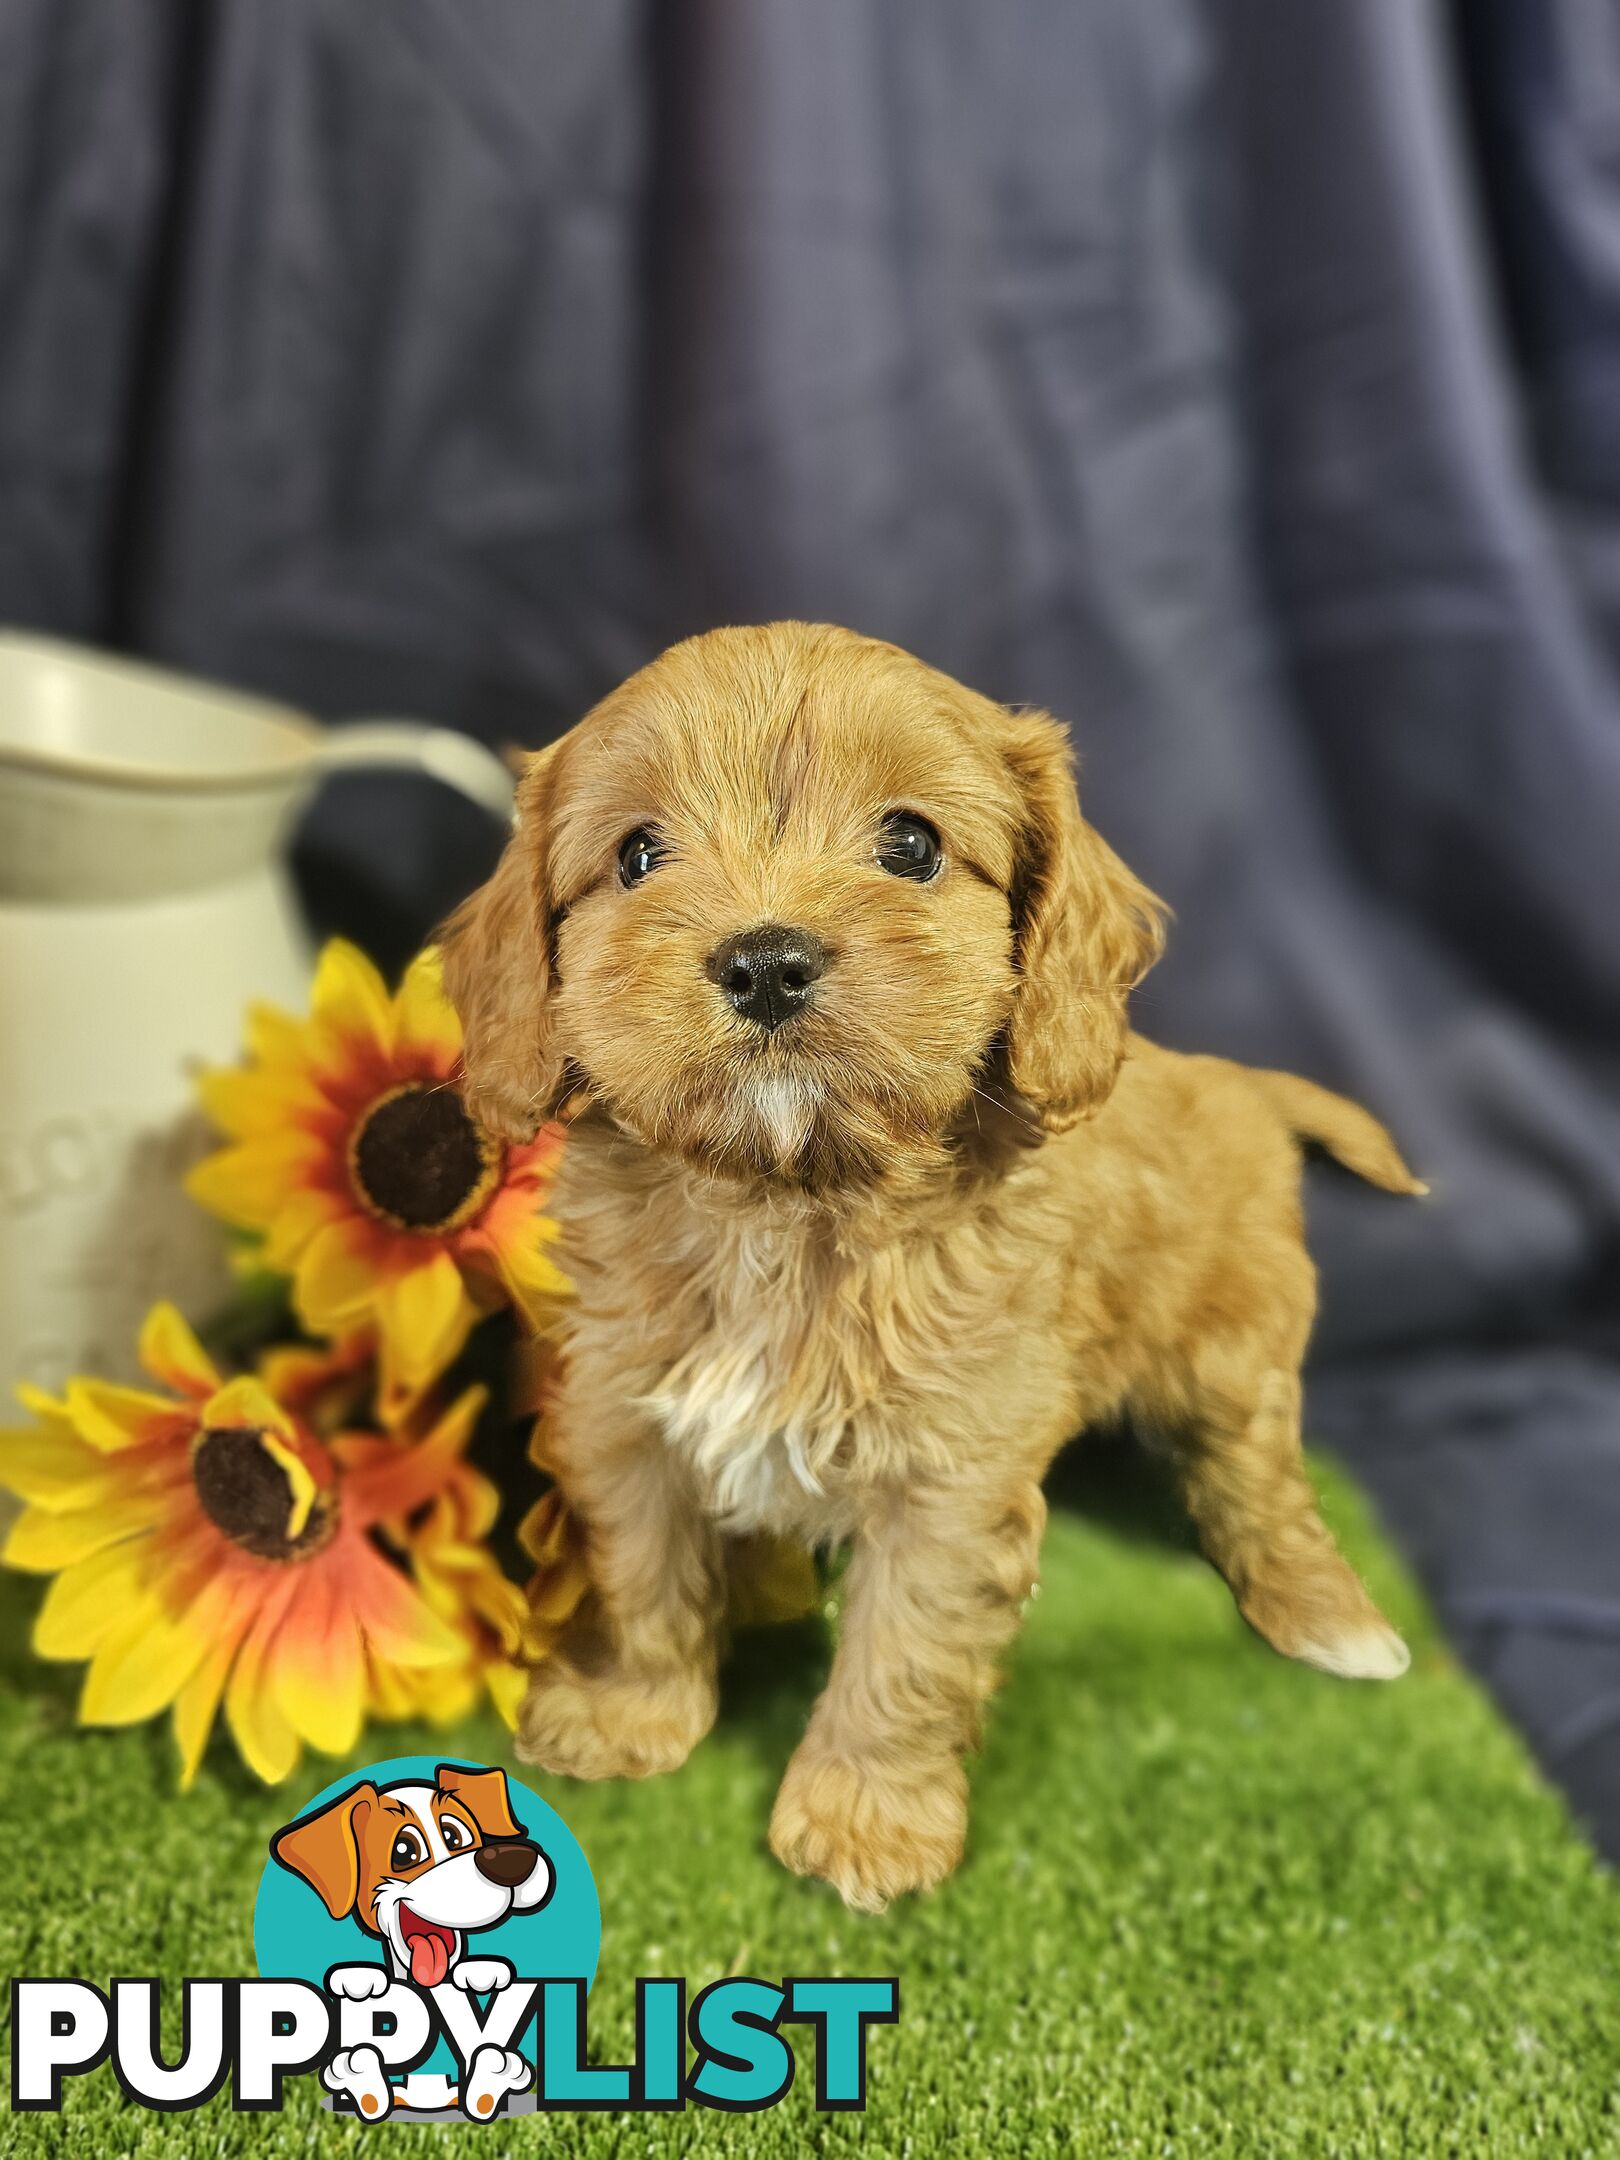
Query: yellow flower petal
point(301, 1218)
point(249, 1184)
point(245, 1405)
point(424, 1318)
point(336, 1284)
point(544, 1530)
point(555, 1594)
point(44, 1540)
point(197, 1704)
point(443, 1696)
point(111, 1418)
point(398, 1627)
point(350, 996)
point(35, 1399)
point(300, 1484)
point(529, 1276)
point(248, 1101)
point(171, 1353)
point(390, 1691)
point(142, 1664)
point(318, 1675)
point(83, 1605)
point(508, 1683)
point(267, 1743)
point(424, 1018)
point(50, 1465)
point(273, 1037)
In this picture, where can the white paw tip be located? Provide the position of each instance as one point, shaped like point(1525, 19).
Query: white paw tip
point(1372, 1653)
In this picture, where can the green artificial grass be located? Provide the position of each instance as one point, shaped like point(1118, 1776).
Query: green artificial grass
point(1213, 1903)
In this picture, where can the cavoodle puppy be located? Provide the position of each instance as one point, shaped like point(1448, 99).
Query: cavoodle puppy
point(871, 1200)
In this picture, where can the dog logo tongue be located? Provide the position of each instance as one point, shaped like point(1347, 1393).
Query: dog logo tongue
point(430, 1949)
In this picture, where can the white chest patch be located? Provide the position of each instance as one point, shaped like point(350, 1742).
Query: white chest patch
point(815, 1379)
point(760, 1462)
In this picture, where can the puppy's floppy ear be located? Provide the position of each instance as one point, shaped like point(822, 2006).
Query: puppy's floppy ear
point(484, 1794)
point(325, 1848)
point(499, 954)
point(1085, 932)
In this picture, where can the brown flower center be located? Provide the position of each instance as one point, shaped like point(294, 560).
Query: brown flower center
point(246, 1493)
point(418, 1162)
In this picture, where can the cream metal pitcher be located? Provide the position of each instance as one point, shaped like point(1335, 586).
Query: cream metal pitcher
point(144, 901)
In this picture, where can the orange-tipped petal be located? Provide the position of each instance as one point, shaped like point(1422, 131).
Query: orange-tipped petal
point(396, 1623)
point(171, 1353)
point(316, 1668)
point(390, 1478)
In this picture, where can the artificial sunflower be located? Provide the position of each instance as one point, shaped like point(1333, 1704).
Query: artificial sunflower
point(208, 1544)
point(392, 1210)
point(443, 1545)
point(554, 1540)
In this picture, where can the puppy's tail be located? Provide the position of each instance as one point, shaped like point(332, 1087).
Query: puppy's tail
point(1351, 1135)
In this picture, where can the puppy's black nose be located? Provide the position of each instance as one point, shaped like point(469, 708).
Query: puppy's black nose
point(508, 1862)
point(767, 972)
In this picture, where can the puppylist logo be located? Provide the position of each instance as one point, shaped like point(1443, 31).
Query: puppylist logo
point(426, 1935)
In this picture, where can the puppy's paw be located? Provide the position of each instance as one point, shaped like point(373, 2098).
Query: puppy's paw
point(478, 1976)
point(358, 1983)
point(1322, 1616)
point(1371, 1652)
point(613, 1723)
point(872, 1833)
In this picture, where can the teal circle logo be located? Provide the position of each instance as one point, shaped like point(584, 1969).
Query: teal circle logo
point(450, 1877)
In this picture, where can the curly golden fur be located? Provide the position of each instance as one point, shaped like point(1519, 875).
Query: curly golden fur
point(863, 1276)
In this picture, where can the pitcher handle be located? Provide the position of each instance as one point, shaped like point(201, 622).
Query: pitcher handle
point(415, 746)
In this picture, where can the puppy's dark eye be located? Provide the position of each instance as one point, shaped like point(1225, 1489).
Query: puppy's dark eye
point(455, 1834)
point(908, 847)
point(640, 853)
point(407, 1850)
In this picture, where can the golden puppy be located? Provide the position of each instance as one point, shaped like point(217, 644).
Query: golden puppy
point(872, 1201)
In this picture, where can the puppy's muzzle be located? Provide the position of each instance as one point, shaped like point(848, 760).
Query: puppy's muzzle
point(508, 1862)
point(765, 974)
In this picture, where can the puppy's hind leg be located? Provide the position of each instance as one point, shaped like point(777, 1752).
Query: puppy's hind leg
point(1243, 1475)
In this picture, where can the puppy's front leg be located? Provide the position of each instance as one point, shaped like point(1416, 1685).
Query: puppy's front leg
point(630, 1688)
point(875, 1798)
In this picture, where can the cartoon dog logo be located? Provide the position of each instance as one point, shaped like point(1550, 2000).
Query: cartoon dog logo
point(421, 1867)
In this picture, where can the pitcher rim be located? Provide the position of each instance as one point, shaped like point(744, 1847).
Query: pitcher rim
point(97, 766)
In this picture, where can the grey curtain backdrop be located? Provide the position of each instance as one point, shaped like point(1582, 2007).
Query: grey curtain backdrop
point(1241, 380)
